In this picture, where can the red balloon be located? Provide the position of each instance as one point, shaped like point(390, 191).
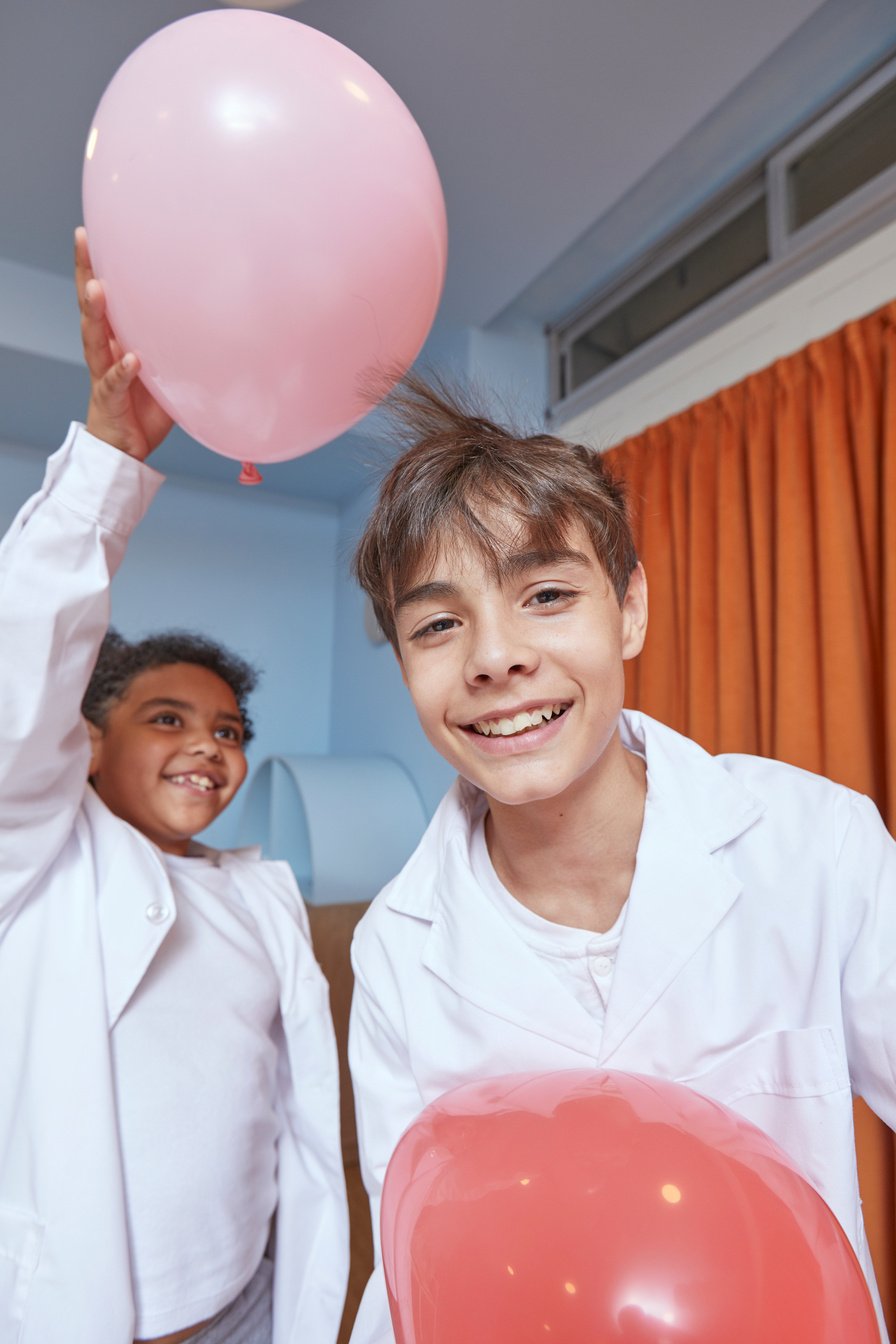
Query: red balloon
point(589, 1207)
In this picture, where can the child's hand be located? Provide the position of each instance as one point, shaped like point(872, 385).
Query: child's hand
point(121, 410)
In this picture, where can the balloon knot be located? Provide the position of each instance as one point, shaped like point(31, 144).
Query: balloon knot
point(250, 475)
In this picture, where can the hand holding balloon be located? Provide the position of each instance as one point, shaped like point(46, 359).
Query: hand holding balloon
point(121, 411)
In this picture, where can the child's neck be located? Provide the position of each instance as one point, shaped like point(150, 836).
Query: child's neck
point(571, 859)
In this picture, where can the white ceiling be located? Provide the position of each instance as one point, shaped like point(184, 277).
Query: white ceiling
point(562, 129)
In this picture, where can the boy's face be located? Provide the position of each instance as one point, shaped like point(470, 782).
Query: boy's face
point(518, 679)
point(170, 756)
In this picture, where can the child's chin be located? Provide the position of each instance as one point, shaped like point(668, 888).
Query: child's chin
point(516, 793)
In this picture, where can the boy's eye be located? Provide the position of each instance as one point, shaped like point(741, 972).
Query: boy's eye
point(229, 734)
point(549, 597)
point(167, 718)
point(437, 627)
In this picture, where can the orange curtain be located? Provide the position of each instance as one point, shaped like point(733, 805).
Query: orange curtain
point(763, 517)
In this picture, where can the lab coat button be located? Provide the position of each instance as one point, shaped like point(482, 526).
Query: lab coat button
point(156, 914)
point(602, 965)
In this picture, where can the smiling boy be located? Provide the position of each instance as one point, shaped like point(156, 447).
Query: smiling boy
point(542, 743)
point(168, 727)
point(596, 890)
point(168, 1071)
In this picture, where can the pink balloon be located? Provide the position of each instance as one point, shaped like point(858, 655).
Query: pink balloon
point(590, 1205)
point(269, 225)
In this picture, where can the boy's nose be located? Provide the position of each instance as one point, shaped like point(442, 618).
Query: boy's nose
point(499, 652)
point(205, 744)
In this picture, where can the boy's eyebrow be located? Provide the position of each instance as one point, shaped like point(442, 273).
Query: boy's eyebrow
point(520, 562)
point(511, 566)
point(168, 702)
point(425, 592)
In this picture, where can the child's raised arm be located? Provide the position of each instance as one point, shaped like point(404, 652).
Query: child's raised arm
point(121, 410)
point(55, 566)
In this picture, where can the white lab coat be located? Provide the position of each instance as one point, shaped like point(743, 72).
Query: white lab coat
point(85, 903)
point(757, 965)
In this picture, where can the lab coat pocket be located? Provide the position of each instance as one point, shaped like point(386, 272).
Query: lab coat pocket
point(311, 1041)
point(21, 1238)
point(801, 1062)
point(310, 1001)
point(794, 1085)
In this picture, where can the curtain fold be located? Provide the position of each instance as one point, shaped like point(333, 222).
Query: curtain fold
point(763, 517)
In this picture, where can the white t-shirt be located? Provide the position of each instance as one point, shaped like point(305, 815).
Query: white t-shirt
point(195, 1060)
point(582, 959)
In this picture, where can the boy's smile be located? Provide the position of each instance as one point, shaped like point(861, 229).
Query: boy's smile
point(528, 721)
point(517, 677)
point(170, 757)
point(521, 721)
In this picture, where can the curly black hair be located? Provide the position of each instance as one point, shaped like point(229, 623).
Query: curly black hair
point(119, 662)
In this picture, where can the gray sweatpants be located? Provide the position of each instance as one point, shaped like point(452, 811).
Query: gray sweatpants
point(248, 1318)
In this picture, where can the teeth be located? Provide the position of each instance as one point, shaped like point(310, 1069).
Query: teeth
point(200, 781)
point(520, 723)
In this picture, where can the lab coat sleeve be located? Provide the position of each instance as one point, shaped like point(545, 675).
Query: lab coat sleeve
point(56, 562)
point(387, 1099)
point(866, 890)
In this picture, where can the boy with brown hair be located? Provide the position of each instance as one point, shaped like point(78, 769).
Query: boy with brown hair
point(168, 1073)
point(595, 890)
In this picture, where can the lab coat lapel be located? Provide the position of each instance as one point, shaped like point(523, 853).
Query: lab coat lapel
point(682, 888)
point(131, 930)
point(680, 892)
point(481, 957)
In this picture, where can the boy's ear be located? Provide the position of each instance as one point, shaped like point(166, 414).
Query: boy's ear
point(96, 747)
point(634, 613)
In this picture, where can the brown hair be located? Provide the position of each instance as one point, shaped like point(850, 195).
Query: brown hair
point(457, 465)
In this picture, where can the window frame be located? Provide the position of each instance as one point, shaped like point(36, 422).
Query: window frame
point(784, 240)
point(792, 253)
